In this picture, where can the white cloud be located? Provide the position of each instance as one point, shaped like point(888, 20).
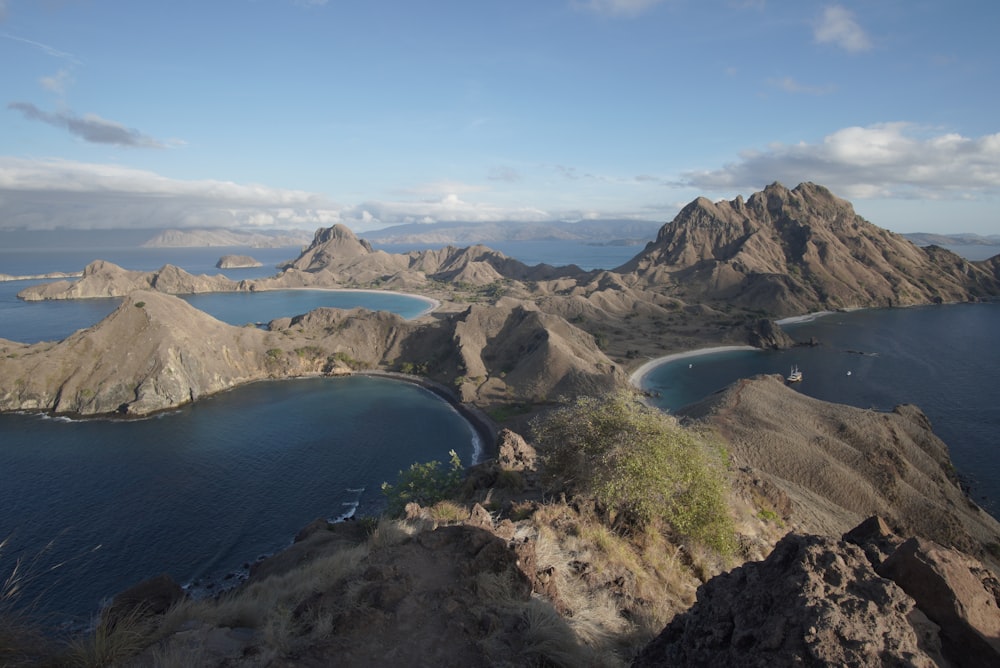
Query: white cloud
point(898, 160)
point(838, 27)
point(57, 83)
point(626, 8)
point(790, 85)
point(61, 193)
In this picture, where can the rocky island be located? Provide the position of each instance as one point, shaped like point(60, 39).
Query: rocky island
point(237, 262)
point(517, 566)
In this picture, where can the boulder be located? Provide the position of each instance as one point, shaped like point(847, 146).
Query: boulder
point(814, 601)
point(150, 597)
point(955, 592)
point(514, 453)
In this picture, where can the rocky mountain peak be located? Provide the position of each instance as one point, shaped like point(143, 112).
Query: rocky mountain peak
point(794, 251)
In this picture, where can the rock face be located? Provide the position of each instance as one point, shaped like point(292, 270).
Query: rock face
point(838, 464)
point(814, 601)
point(870, 599)
point(237, 262)
point(794, 251)
point(956, 593)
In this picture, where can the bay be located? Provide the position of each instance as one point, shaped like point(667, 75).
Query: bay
point(203, 490)
point(944, 359)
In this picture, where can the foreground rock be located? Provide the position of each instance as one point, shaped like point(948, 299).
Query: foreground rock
point(814, 601)
point(828, 602)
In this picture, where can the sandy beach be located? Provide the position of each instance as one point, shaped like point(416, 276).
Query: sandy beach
point(432, 304)
point(640, 373)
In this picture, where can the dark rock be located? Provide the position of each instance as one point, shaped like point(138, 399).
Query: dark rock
point(318, 524)
point(150, 597)
point(765, 334)
point(874, 537)
point(814, 601)
point(948, 587)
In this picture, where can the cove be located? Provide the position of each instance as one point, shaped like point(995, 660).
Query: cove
point(203, 491)
point(942, 358)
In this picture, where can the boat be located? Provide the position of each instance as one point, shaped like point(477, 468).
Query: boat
point(795, 375)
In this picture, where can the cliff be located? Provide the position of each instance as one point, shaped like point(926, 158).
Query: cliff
point(789, 252)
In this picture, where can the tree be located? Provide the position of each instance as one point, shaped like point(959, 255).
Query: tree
point(425, 484)
point(639, 465)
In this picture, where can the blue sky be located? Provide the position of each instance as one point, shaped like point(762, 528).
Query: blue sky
point(305, 113)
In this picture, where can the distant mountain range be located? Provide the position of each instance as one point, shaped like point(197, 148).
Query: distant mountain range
point(587, 231)
point(931, 239)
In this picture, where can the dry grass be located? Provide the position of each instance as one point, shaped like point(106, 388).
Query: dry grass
point(620, 591)
point(263, 604)
point(112, 640)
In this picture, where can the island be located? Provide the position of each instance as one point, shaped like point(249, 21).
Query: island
point(237, 262)
point(848, 538)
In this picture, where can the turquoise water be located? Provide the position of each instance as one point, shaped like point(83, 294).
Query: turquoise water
point(945, 359)
point(201, 491)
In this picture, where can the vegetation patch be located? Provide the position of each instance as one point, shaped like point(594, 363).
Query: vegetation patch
point(639, 465)
point(425, 484)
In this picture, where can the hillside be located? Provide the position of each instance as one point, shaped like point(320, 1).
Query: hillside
point(789, 252)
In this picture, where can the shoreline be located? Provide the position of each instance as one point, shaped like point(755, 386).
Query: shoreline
point(639, 374)
point(432, 304)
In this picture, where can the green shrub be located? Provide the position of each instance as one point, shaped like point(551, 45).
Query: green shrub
point(140, 304)
point(639, 465)
point(425, 484)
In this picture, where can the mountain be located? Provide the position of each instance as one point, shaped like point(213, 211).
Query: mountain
point(227, 237)
point(963, 239)
point(337, 254)
point(588, 231)
point(789, 252)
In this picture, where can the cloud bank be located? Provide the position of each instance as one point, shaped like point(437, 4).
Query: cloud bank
point(887, 160)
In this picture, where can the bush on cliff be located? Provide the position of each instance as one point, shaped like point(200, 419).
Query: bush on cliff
point(425, 484)
point(639, 465)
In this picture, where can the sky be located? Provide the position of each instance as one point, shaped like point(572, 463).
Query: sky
point(298, 114)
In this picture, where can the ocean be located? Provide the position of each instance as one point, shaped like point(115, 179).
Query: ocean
point(94, 506)
point(945, 359)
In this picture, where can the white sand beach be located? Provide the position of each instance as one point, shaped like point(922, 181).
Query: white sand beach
point(640, 373)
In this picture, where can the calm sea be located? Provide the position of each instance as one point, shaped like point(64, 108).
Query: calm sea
point(945, 359)
point(202, 491)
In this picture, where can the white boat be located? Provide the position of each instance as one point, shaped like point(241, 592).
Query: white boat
point(795, 375)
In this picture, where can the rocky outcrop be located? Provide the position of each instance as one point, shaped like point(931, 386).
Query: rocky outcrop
point(815, 601)
point(869, 599)
point(789, 252)
point(956, 593)
point(838, 464)
point(237, 262)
